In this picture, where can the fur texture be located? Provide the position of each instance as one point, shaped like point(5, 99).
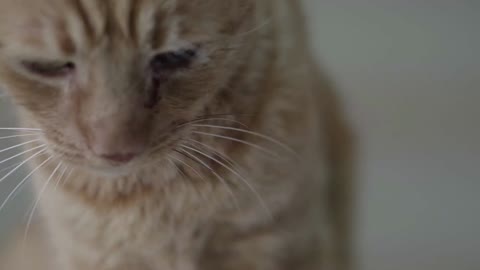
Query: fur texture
point(241, 157)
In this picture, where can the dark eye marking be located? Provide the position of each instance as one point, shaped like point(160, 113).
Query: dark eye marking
point(161, 67)
point(172, 61)
point(49, 69)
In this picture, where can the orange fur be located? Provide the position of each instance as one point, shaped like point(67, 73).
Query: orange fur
point(252, 67)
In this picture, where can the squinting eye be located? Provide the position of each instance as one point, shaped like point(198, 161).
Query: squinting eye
point(171, 61)
point(49, 69)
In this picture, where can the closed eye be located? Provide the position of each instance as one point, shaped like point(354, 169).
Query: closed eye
point(49, 69)
point(174, 60)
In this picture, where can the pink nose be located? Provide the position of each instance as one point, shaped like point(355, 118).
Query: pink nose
point(117, 139)
point(119, 157)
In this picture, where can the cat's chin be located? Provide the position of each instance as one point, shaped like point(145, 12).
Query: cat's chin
point(112, 171)
point(108, 169)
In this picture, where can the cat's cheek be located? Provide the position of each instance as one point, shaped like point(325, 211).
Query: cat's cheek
point(77, 81)
point(37, 97)
point(70, 110)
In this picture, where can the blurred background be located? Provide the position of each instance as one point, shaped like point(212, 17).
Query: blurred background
point(409, 74)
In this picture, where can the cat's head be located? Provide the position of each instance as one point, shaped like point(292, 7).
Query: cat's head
point(108, 81)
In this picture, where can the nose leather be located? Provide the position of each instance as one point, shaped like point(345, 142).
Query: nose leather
point(118, 142)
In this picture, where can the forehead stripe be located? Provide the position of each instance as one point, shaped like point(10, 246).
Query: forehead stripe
point(64, 39)
point(135, 10)
point(83, 13)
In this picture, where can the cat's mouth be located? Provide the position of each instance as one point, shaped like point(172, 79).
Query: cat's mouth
point(110, 168)
point(157, 151)
point(181, 137)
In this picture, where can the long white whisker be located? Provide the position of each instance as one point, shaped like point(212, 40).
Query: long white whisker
point(188, 166)
point(213, 119)
point(221, 179)
point(218, 153)
point(170, 157)
point(246, 182)
point(24, 152)
point(256, 28)
point(19, 145)
point(60, 178)
point(268, 138)
point(14, 191)
point(65, 181)
point(202, 177)
point(230, 161)
point(11, 166)
point(21, 129)
point(30, 217)
point(240, 141)
point(17, 136)
point(21, 164)
point(183, 174)
point(177, 168)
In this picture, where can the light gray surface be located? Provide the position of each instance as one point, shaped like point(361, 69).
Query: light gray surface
point(13, 212)
point(409, 71)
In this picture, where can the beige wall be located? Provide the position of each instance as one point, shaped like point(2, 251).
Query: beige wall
point(409, 72)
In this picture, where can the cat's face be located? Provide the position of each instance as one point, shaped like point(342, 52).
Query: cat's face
point(108, 81)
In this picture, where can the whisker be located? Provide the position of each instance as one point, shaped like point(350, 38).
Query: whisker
point(210, 116)
point(21, 129)
point(42, 191)
point(17, 136)
point(240, 141)
point(254, 29)
point(188, 166)
point(268, 138)
point(60, 178)
point(9, 167)
point(19, 145)
point(257, 28)
point(14, 191)
point(185, 176)
point(216, 152)
point(245, 181)
point(230, 161)
point(213, 119)
point(221, 179)
point(194, 170)
point(21, 164)
point(177, 168)
point(24, 152)
point(67, 179)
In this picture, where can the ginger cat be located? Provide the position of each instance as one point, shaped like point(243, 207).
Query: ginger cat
point(176, 135)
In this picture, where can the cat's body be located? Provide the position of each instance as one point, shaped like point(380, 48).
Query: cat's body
point(276, 212)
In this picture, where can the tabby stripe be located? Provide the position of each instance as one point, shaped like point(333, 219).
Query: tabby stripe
point(89, 28)
point(64, 39)
point(135, 10)
point(109, 13)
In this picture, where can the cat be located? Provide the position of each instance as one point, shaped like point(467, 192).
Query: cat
point(178, 135)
